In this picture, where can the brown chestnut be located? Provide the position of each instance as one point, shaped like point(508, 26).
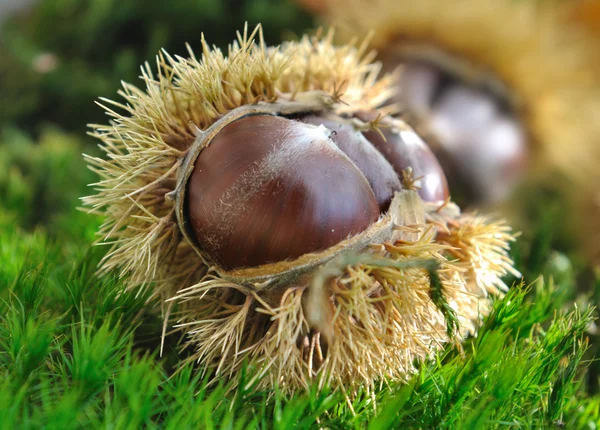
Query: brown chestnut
point(474, 129)
point(381, 175)
point(267, 189)
point(403, 148)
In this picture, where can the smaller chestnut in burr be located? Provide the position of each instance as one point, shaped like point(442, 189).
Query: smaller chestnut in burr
point(403, 149)
point(382, 178)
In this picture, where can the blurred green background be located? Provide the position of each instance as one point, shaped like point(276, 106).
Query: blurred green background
point(75, 353)
point(58, 56)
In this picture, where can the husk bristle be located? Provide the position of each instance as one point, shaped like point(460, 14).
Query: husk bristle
point(383, 318)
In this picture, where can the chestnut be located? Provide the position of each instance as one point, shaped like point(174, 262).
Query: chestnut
point(382, 178)
point(403, 149)
point(472, 127)
point(268, 189)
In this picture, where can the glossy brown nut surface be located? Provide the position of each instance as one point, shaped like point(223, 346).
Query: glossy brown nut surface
point(267, 189)
point(406, 149)
point(379, 173)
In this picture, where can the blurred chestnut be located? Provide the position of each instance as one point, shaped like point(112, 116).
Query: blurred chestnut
point(472, 128)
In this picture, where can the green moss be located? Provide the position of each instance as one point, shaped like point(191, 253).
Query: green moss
point(76, 353)
point(41, 182)
point(64, 54)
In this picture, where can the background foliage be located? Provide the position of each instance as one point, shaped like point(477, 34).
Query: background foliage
point(74, 353)
point(57, 58)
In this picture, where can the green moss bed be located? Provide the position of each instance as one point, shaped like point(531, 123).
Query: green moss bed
point(75, 353)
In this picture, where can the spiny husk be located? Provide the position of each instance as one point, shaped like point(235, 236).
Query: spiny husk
point(146, 144)
point(383, 308)
point(548, 65)
point(384, 313)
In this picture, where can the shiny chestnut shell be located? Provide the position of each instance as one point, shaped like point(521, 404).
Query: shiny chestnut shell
point(268, 189)
point(380, 174)
point(404, 149)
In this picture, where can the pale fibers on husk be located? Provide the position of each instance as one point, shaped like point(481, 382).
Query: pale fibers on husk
point(382, 317)
point(146, 144)
point(548, 66)
point(384, 313)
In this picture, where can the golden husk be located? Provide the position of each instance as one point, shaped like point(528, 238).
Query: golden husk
point(350, 321)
